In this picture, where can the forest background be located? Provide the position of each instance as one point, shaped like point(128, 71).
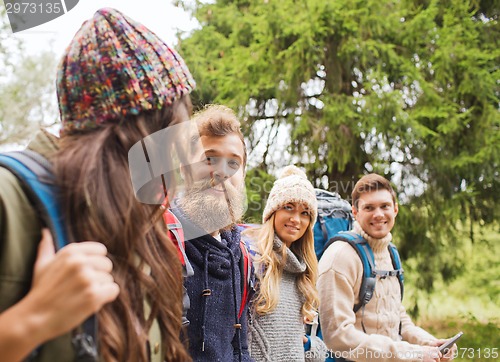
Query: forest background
point(407, 89)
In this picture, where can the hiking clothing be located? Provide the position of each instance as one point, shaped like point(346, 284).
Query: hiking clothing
point(339, 282)
point(20, 234)
point(278, 335)
point(214, 292)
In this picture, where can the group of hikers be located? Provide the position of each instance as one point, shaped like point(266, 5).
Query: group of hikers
point(220, 292)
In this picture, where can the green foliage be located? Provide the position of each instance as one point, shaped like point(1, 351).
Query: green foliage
point(478, 342)
point(469, 303)
point(408, 89)
point(27, 89)
point(467, 285)
point(482, 271)
point(7, 43)
point(258, 185)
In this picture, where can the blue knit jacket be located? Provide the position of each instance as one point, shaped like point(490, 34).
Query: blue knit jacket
point(215, 296)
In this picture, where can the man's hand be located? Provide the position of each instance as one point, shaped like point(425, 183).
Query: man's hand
point(451, 352)
point(431, 354)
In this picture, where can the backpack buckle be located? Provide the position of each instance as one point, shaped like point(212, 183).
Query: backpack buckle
point(85, 348)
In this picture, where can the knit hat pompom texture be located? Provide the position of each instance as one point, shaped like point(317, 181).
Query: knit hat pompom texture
point(291, 186)
point(116, 67)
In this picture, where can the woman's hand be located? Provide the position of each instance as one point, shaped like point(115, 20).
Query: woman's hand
point(68, 287)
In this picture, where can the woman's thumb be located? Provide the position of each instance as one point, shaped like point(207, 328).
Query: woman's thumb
point(46, 250)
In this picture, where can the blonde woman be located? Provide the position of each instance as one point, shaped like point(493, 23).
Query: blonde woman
point(286, 270)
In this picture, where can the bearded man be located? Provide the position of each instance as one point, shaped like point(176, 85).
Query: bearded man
point(209, 208)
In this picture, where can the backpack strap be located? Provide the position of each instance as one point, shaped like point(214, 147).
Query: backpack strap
point(247, 275)
point(37, 180)
point(398, 268)
point(370, 274)
point(365, 253)
point(321, 222)
point(176, 234)
point(36, 177)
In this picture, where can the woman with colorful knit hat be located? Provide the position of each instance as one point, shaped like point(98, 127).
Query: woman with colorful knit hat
point(286, 270)
point(117, 84)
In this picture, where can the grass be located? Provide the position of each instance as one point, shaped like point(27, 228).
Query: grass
point(480, 342)
point(471, 303)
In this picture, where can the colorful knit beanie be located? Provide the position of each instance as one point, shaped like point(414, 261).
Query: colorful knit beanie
point(116, 67)
point(291, 186)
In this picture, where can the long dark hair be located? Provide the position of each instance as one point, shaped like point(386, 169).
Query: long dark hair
point(98, 199)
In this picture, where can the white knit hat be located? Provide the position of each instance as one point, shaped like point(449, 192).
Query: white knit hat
point(291, 186)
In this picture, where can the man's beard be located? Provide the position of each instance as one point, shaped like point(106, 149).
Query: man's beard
point(210, 211)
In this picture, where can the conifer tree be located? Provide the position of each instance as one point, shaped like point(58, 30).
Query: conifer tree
point(408, 89)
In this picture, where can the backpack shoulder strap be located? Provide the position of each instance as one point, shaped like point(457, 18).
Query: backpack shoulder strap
point(398, 268)
point(34, 172)
point(321, 222)
point(176, 234)
point(247, 277)
point(365, 253)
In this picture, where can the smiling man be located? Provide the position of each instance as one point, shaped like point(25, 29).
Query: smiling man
point(212, 203)
point(214, 196)
point(380, 330)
